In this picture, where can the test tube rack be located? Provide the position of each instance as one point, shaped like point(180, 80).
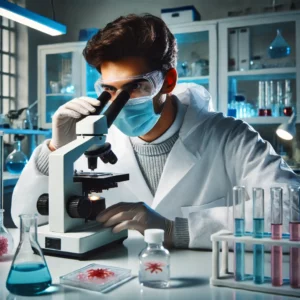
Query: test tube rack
point(222, 277)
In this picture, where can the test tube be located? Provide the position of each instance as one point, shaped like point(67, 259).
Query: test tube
point(261, 98)
point(268, 110)
point(279, 98)
point(239, 230)
point(294, 228)
point(276, 234)
point(258, 232)
point(288, 110)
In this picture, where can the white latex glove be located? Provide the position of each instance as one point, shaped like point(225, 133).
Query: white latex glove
point(65, 118)
point(138, 216)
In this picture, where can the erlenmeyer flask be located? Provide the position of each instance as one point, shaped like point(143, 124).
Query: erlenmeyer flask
point(16, 160)
point(279, 47)
point(6, 240)
point(29, 272)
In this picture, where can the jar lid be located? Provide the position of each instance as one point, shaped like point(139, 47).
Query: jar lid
point(154, 236)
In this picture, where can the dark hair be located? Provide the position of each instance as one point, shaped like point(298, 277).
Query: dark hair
point(145, 36)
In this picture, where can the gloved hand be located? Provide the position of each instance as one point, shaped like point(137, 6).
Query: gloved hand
point(138, 216)
point(65, 118)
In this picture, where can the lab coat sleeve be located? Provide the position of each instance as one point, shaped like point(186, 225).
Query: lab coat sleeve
point(251, 162)
point(31, 184)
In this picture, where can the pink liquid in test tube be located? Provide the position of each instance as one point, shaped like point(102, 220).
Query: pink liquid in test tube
point(276, 256)
point(295, 256)
point(276, 234)
point(294, 228)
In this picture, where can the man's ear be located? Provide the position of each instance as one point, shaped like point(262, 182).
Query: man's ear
point(170, 81)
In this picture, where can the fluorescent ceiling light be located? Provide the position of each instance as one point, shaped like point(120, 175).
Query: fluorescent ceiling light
point(30, 19)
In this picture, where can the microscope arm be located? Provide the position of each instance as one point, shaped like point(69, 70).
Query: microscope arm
point(61, 169)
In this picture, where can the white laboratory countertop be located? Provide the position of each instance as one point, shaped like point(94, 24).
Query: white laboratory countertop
point(190, 274)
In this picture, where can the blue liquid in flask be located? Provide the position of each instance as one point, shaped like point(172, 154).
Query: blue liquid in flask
point(15, 167)
point(258, 251)
point(28, 279)
point(239, 251)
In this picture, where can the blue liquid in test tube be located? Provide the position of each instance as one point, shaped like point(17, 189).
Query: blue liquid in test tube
point(258, 232)
point(239, 230)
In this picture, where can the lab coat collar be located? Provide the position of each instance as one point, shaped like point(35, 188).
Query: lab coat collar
point(198, 101)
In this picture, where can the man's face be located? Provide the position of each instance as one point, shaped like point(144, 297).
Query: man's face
point(125, 68)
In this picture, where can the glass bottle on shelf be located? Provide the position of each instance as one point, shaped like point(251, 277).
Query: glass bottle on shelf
point(29, 274)
point(16, 160)
point(288, 110)
point(279, 47)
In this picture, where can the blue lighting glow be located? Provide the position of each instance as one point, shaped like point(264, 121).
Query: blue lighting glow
point(30, 19)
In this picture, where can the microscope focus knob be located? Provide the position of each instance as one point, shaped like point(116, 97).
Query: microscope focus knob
point(84, 207)
point(42, 205)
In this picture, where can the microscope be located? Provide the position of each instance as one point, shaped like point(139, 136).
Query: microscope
point(72, 203)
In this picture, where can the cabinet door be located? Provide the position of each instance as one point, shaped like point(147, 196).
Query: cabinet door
point(197, 60)
point(91, 76)
point(61, 81)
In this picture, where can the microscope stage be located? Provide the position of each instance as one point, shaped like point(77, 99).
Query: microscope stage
point(78, 244)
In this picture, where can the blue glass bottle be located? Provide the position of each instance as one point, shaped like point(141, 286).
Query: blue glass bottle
point(29, 274)
point(279, 47)
point(16, 160)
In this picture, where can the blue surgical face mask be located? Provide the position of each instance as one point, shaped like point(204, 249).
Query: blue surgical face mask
point(137, 117)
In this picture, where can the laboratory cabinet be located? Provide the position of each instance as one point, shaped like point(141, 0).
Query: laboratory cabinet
point(63, 75)
point(259, 67)
point(197, 54)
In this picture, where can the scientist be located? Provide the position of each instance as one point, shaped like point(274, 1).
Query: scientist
point(183, 158)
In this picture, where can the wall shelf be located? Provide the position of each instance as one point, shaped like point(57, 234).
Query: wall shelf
point(266, 120)
point(202, 79)
point(26, 131)
point(264, 74)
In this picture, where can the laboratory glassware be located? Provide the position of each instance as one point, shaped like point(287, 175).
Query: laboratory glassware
point(279, 97)
point(16, 160)
point(273, 100)
point(276, 234)
point(29, 274)
point(279, 47)
point(6, 239)
point(154, 269)
point(261, 98)
point(239, 194)
point(294, 229)
point(258, 232)
point(268, 110)
point(95, 277)
point(288, 110)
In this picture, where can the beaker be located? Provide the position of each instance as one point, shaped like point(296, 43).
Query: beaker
point(16, 160)
point(29, 274)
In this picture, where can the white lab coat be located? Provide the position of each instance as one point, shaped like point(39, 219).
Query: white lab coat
point(212, 154)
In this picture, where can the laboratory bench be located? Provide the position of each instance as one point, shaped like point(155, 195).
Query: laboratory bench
point(190, 275)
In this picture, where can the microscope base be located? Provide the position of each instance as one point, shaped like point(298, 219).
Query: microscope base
point(78, 244)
